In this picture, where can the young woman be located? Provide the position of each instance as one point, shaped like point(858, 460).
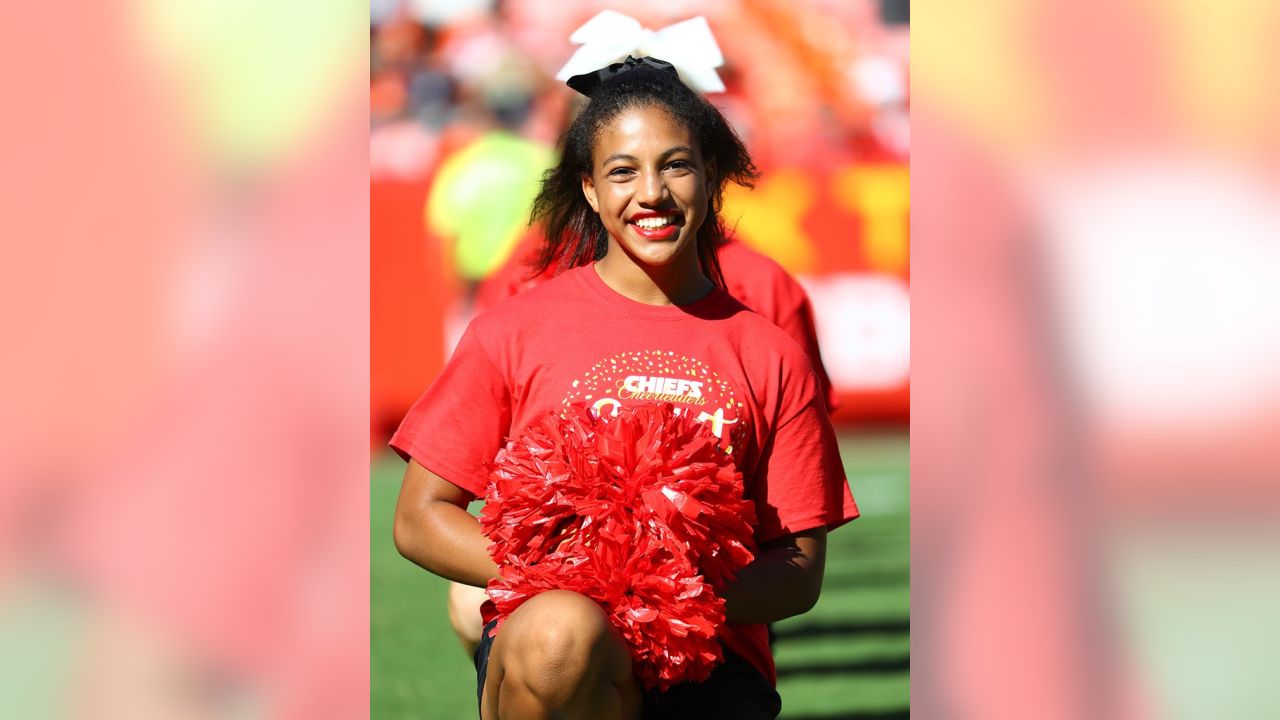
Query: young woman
point(637, 314)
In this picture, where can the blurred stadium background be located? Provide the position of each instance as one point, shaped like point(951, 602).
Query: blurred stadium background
point(185, 449)
point(185, 445)
point(464, 116)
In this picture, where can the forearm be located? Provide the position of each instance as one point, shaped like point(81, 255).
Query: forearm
point(784, 580)
point(434, 530)
point(447, 541)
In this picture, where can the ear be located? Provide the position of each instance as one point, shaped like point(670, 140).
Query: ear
point(712, 175)
point(589, 190)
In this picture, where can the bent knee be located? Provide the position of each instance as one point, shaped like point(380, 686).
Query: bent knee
point(562, 626)
point(557, 641)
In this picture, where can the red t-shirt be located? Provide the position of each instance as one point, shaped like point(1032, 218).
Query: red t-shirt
point(752, 277)
point(767, 288)
point(573, 340)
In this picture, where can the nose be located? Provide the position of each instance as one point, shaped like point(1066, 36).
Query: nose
point(652, 189)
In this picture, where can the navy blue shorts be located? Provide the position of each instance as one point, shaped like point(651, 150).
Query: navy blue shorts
point(735, 691)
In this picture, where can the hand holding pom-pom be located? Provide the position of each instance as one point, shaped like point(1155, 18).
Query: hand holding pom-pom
point(642, 512)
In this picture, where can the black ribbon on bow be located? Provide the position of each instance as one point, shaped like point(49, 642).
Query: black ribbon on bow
point(587, 83)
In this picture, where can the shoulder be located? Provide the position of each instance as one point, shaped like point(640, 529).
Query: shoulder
point(759, 335)
point(737, 255)
point(781, 370)
point(758, 280)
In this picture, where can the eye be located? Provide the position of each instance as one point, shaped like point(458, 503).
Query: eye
point(620, 173)
point(680, 165)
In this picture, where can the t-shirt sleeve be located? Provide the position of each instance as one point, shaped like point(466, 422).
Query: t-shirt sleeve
point(460, 422)
point(800, 484)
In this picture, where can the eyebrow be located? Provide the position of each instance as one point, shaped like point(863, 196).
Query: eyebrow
point(632, 158)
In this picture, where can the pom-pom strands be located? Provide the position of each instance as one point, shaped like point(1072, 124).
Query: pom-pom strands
point(642, 512)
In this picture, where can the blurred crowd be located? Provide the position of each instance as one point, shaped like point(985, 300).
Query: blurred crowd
point(810, 82)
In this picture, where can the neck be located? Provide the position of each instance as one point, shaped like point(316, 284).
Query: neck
point(679, 283)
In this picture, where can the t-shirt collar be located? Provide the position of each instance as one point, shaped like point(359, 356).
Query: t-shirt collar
point(699, 308)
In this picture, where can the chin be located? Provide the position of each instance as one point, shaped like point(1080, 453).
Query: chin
point(661, 259)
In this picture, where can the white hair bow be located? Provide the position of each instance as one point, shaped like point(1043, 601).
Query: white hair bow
point(611, 36)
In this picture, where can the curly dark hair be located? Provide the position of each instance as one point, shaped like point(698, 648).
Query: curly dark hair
point(572, 231)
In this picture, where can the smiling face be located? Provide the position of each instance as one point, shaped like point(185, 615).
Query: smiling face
point(649, 184)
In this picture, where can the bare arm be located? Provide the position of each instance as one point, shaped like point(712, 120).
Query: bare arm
point(434, 529)
point(784, 579)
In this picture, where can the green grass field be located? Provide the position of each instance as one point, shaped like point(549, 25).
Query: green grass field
point(847, 658)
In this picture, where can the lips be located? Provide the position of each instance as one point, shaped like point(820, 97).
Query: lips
point(655, 226)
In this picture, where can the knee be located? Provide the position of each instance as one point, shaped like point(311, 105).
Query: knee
point(565, 639)
point(566, 630)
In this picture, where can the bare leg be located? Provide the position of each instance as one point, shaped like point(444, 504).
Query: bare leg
point(558, 657)
point(464, 614)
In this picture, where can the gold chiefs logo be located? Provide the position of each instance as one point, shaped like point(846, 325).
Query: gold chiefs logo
point(661, 389)
point(665, 389)
point(662, 376)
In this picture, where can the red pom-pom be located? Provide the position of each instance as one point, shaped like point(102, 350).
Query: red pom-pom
point(642, 512)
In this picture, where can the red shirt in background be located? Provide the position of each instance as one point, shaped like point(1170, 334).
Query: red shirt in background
point(573, 339)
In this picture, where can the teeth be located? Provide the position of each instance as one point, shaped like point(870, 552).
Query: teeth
point(653, 223)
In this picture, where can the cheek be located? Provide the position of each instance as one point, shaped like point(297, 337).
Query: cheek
point(613, 202)
point(698, 198)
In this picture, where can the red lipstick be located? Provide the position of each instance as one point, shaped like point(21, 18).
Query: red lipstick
point(658, 233)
